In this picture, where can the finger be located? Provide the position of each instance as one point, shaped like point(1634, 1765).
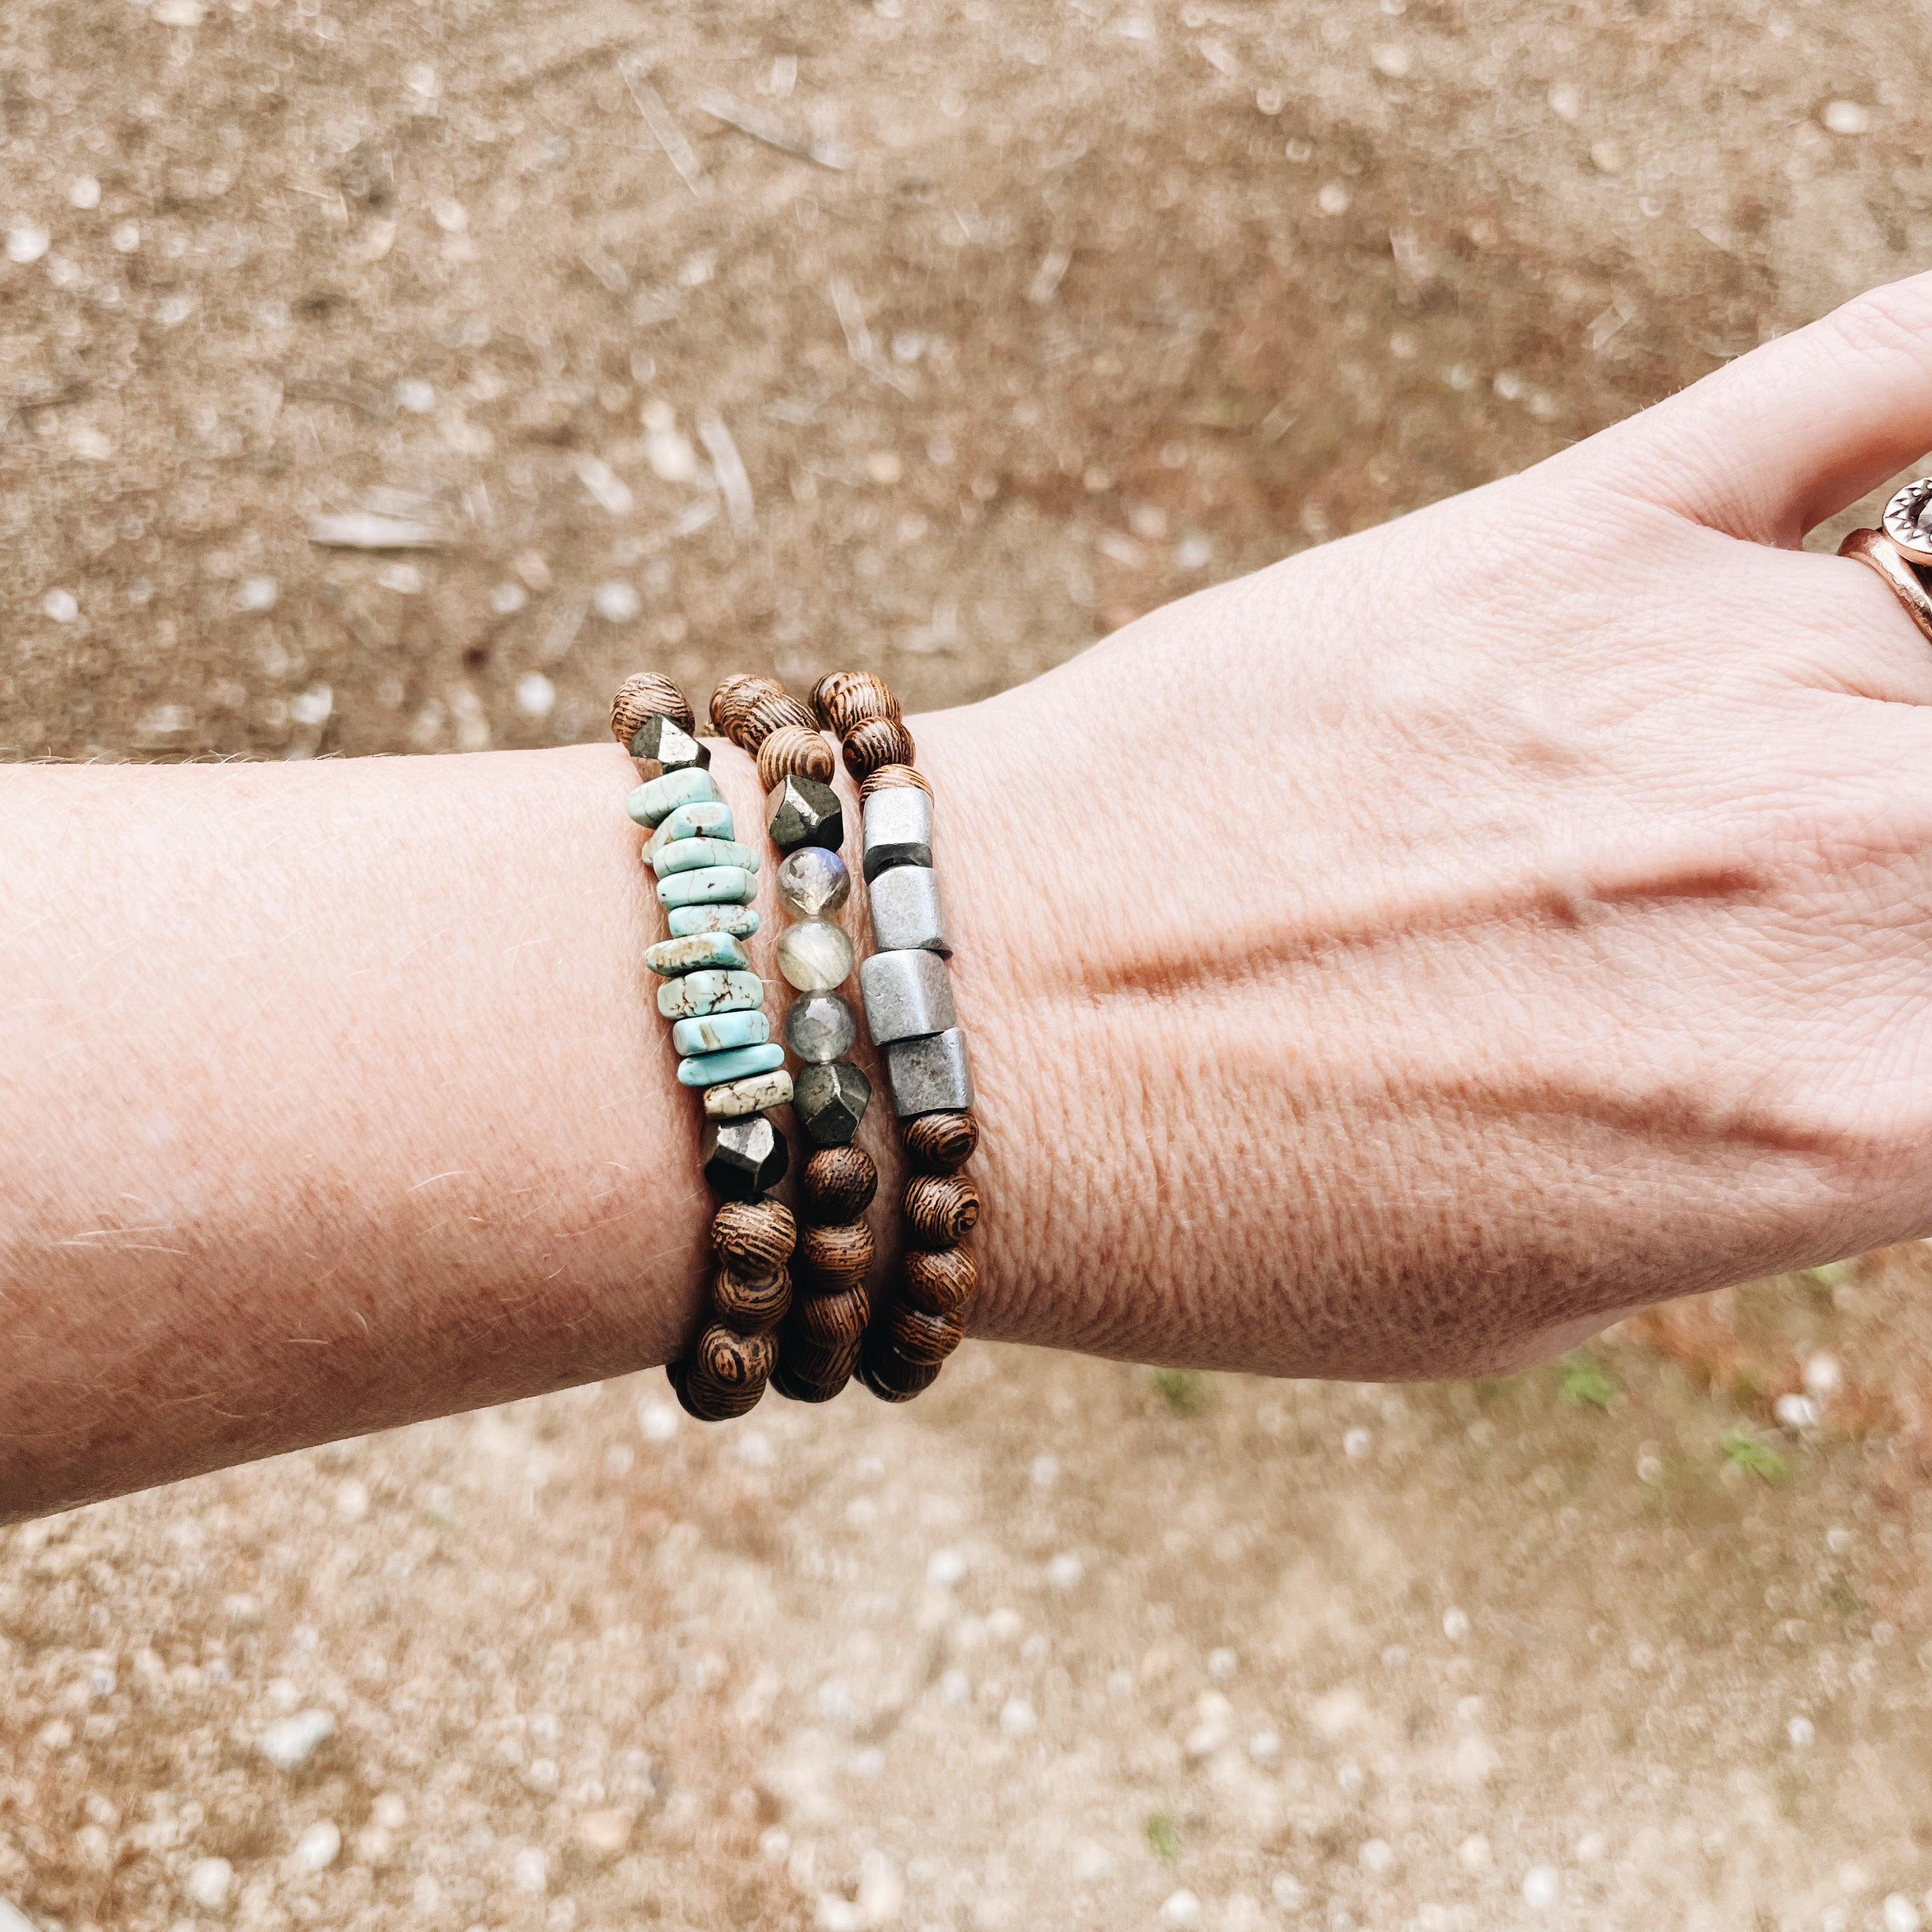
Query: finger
point(1772, 444)
point(1833, 623)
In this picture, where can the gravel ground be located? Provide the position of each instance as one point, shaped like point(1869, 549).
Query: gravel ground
point(1002, 324)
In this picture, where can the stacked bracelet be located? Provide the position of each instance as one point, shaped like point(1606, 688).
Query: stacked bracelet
point(821, 1339)
point(909, 1012)
point(707, 880)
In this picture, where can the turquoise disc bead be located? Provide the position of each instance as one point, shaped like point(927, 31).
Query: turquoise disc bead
point(692, 993)
point(715, 1032)
point(709, 1069)
point(672, 956)
point(709, 885)
point(706, 818)
point(651, 804)
point(740, 921)
point(687, 855)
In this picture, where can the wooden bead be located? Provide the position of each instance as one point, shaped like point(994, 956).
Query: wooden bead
point(638, 696)
point(837, 1320)
point(941, 1281)
point(881, 741)
point(941, 1209)
point(888, 777)
point(805, 1373)
point(837, 1183)
point(795, 750)
point(754, 1238)
point(941, 1143)
point(891, 1377)
point(838, 1256)
point(751, 1304)
point(735, 695)
point(921, 1338)
point(844, 700)
point(726, 1374)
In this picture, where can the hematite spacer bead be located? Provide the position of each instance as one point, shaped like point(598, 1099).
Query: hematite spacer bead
point(907, 914)
point(828, 1102)
point(662, 744)
point(844, 700)
point(743, 1157)
point(889, 777)
point(897, 829)
point(795, 750)
point(942, 1281)
point(754, 1237)
point(837, 1257)
point(907, 996)
point(931, 1075)
point(751, 1303)
point(941, 1143)
point(837, 1183)
point(802, 811)
point(640, 694)
point(941, 1209)
point(834, 1320)
point(880, 741)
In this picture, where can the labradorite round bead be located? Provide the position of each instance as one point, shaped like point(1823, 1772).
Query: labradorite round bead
point(813, 882)
point(820, 1028)
point(815, 955)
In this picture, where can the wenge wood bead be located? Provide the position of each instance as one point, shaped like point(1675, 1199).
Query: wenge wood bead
point(890, 1376)
point(754, 1238)
point(921, 1338)
point(838, 1256)
point(880, 741)
point(834, 1321)
point(837, 1183)
point(888, 777)
point(941, 1143)
point(727, 1373)
point(765, 714)
point(805, 1373)
point(751, 1303)
point(941, 1209)
point(638, 696)
point(844, 700)
point(795, 750)
point(941, 1281)
point(735, 695)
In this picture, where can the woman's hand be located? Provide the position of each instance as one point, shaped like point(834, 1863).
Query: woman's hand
point(1404, 960)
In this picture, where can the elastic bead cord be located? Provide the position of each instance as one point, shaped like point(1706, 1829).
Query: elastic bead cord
point(909, 1012)
point(708, 992)
point(821, 1338)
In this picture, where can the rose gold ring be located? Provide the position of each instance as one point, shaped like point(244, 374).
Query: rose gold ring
point(1901, 550)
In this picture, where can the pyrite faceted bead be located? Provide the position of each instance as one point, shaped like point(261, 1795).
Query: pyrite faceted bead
point(813, 882)
point(751, 1095)
point(883, 741)
point(941, 1143)
point(907, 915)
point(697, 993)
point(655, 801)
point(743, 1157)
point(820, 1028)
point(751, 1302)
point(908, 995)
point(691, 855)
point(837, 1183)
point(753, 1238)
point(930, 1075)
point(802, 811)
point(898, 829)
point(718, 1032)
point(640, 694)
point(840, 1256)
point(663, 745)
point(670, 957)
point(731, 1062)
point(942, 1281)
point(740, 921)
point(829, 1102)
point(709, 885)
point(796, 751)
point(941, 1209)
point(815, 955)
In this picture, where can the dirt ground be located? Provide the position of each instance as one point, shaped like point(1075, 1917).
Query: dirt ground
point(943, 338)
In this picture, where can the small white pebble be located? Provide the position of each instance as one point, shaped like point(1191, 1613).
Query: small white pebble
point(1017, 1719)
point(390, 1812)
point(1796, 1411)
point(507, 599)
point(1287, 1892)
point(1264, 1746)
point(1348, 1776)
point(617, 602)
point(955, 1687)
point(351, 1500)
point(1390, 61)
point(208, 1880)
point(1181, 1909)
point(62, 606)
point(834, 1701)
point(126, 238)
point(1541, 1886)
point(1194, 553)
point(421, 81)
point(1455, 1624)
point(1222, 1662)
point(1332, 200)
point(1823, 1377)
point(1590, 1847)
point(259, 593)
point(1394, 1658)
point(416, 396)
point(1900, 1914)
point(1065, 1570)
point(1046, 1472)
point(754, 1448)
point(1802, 1733)
point(1357, 1444)
point(531, 1870)
point(173, 311)
point(289, 1743)
point(657, 1421)
point(404, 579)
point(1473, 1853)
point(317, 1848)
point(1377, 1855)
point(945, 1568)
point(774, 1843)
point(835, 1914)
point(870, 1763)
point(1847, 117)
point(536, 696)
point(84, 191)
point(26, 242)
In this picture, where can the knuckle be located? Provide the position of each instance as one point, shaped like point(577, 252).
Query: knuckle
point(1883, 323)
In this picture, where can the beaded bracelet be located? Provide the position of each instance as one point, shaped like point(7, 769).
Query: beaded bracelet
point(820, 1341)
point(707, 880)
point(909, 1012)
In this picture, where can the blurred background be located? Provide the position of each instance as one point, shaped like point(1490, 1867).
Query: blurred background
point(395, 379)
